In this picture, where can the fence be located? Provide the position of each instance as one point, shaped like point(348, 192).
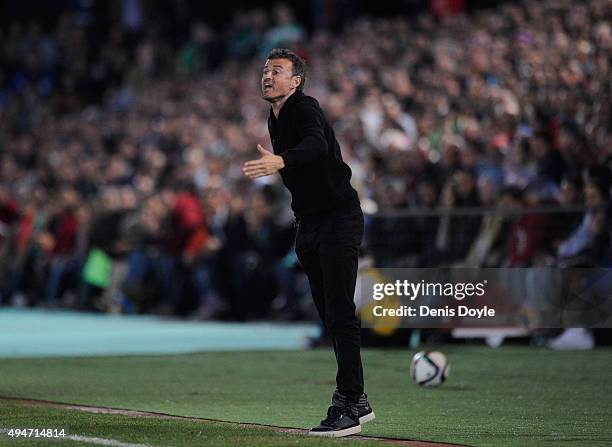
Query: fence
point(488, 237)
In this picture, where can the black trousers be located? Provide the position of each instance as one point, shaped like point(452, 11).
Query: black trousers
point(327, 249)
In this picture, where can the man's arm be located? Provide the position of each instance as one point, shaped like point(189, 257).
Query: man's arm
point(312, 145)
point(310, 129)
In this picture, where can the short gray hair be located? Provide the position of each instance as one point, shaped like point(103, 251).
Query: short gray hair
point(298, 64)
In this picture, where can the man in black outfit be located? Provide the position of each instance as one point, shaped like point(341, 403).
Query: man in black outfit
point(330, 224)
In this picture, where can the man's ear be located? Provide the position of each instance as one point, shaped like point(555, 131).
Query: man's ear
point(296, 81)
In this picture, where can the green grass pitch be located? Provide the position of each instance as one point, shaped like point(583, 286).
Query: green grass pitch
point(512, 396)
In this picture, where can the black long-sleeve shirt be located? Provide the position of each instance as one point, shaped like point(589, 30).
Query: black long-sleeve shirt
point(314, 172)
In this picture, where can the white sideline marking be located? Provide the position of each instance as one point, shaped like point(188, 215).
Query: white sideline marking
point(92, 440)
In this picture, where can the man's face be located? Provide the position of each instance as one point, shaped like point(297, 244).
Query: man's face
point(277, 80)
point(569, 193)
point(592, 196)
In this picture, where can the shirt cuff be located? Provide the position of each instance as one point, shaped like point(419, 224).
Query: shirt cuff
point(287, 159)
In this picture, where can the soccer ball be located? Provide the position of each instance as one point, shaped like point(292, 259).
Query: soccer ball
point(429, 368)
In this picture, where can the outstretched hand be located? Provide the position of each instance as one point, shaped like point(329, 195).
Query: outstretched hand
point(267, 164)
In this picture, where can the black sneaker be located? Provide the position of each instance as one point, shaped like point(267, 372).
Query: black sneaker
point(340, 421)
point(364, 410)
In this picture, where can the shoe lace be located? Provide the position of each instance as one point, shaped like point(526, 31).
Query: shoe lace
point(333, 413)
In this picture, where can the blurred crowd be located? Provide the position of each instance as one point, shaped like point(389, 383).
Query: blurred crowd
point(121, 186)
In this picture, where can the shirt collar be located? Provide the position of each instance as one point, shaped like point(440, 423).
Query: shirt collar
point(295, 96)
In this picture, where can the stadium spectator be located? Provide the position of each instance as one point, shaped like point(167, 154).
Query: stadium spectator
point(425, 108)
point(588, 244)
